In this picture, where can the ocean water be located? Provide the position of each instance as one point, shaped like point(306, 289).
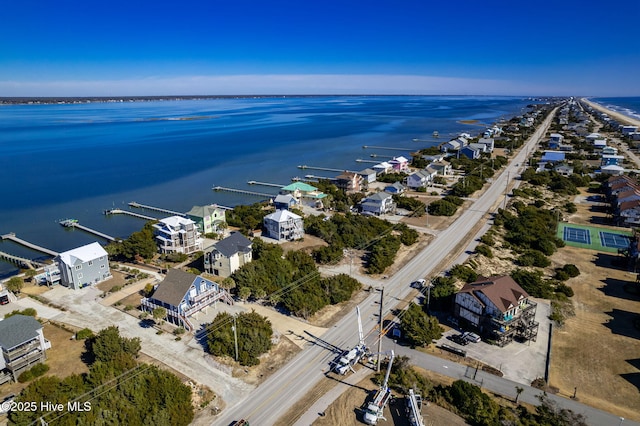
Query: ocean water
point(628, 106)
point(76, 160)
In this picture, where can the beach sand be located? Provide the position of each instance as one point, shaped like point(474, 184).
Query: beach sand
point(620, 118)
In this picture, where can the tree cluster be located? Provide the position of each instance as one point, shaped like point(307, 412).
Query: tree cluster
point(118, 389)
point(418, 328)
point(415, 206)
point(247, 218)
point(555, 182)
point(380, 237)
point(252, 330)
point(139, 244)
point(291, 281)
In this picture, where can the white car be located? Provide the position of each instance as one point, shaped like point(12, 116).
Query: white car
point(472, 337)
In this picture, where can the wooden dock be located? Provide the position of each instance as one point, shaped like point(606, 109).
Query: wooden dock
point(73, 223)
point(157, 209)
point(326, 169)
point(274, 185)
point(318, 177)
point(127, 212)
point(388, 148)
point(243, 191)
point(359, 160)
point(22, 262)
point(11, 236)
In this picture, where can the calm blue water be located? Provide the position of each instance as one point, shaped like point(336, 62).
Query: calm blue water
point(626, 106)
point(76, 160)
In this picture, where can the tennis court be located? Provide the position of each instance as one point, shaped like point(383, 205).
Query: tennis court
point(617, 241)
point(593, 237)
point(576, 235)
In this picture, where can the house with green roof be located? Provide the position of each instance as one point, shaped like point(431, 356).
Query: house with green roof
point(23, 346)
point(305, 194)
point(209, 219)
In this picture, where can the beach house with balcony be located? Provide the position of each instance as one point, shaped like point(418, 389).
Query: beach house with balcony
point(183, 294)
point(81, 266)
point(284, 202)
point(399, 164)
point(23, 345)
point(349, 182)
point(209, 219)
point(368, 176)
point(304, 194)
point(228, 255)
point(420, 179)
point(177, 234)
point(282, 225)
point(499, 308)
point(378, 204)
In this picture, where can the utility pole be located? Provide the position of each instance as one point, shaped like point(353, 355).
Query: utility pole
point(429, 295)
point(235, 336)
point(506, 188)
point(380, 325)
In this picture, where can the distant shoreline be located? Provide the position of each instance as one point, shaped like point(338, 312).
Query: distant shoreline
point(621, 118)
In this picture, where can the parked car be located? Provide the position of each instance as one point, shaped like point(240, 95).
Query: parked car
point(457, 338)
point(472, 337)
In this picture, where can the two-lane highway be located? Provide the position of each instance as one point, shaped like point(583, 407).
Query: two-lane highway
point(276, 395)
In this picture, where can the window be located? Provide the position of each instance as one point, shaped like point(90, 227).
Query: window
point(78, 267)
point(102, 266)
point(80, 276)
point(91, 263)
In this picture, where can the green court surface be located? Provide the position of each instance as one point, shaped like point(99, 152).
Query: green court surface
point(593, 237)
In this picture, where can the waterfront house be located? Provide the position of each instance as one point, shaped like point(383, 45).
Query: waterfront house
point(399, 164)
point(395, 188)
point(433, 158)
point(452, 145)
point(419, 179)
point(479, 146)
point(488, 142)
point(284, 202)
point(349, 182)
point(228, 255)
point(23, 346)
point(177, 234)
point(183, 294)
point(209, 219)
point(83, 266)
point(305, 194)
point(626, 130)
point(382, 168)
point(282, 225)
point(499, 308)
point(377, 204)
point(368, 176)
point(471, 152)
point(443, 168)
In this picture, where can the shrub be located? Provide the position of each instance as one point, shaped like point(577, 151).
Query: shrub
point(35, 371)
point(571, 270)
point(442, 208)
point(533, 258)
point(488, 240)
point(484, 250)
point(565, 289)
point(465, 273)
point(83, 334)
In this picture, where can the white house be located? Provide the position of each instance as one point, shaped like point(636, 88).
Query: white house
point(452, 145)
point(556, 137)
point(283, 225)
point(489, 142)
point(443, 169)
point(177, 234)
point(378, 204)
point(368, 175)
point(382, 168)
point(83, 266)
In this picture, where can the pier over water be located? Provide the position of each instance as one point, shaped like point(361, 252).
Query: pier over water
point(11, 236)
point(127, 212)
point(157, 209)
point(243, 191)
point(73, 223)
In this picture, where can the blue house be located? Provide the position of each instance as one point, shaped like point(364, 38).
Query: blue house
point(552, 157)
point(183, 294)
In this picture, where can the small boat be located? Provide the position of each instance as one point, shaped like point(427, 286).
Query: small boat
point(435, 134)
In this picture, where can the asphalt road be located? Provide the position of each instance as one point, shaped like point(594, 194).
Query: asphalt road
point(276, 395)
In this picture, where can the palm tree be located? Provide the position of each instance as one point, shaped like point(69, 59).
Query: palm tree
point(518, 392)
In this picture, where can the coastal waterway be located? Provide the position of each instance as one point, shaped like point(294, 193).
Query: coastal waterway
point(78, 160)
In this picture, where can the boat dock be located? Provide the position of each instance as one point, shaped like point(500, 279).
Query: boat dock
point(22, 262)
point(274, 185)
point(359, 160)
point(11, 236)
point(127, 212)
point(73, 223)
point(243, 191)
point(318, 177)
point(388, 148)
point(326, 169)
point(157, 209)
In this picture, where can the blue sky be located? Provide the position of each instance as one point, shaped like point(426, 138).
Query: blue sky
point(83, 48)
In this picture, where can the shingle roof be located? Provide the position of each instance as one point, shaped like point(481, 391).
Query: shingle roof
point(502, 291)
point(234, 243)
point(17, 330)
point(174, 287)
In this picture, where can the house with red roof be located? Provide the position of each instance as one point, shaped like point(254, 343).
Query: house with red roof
point(499, 308)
